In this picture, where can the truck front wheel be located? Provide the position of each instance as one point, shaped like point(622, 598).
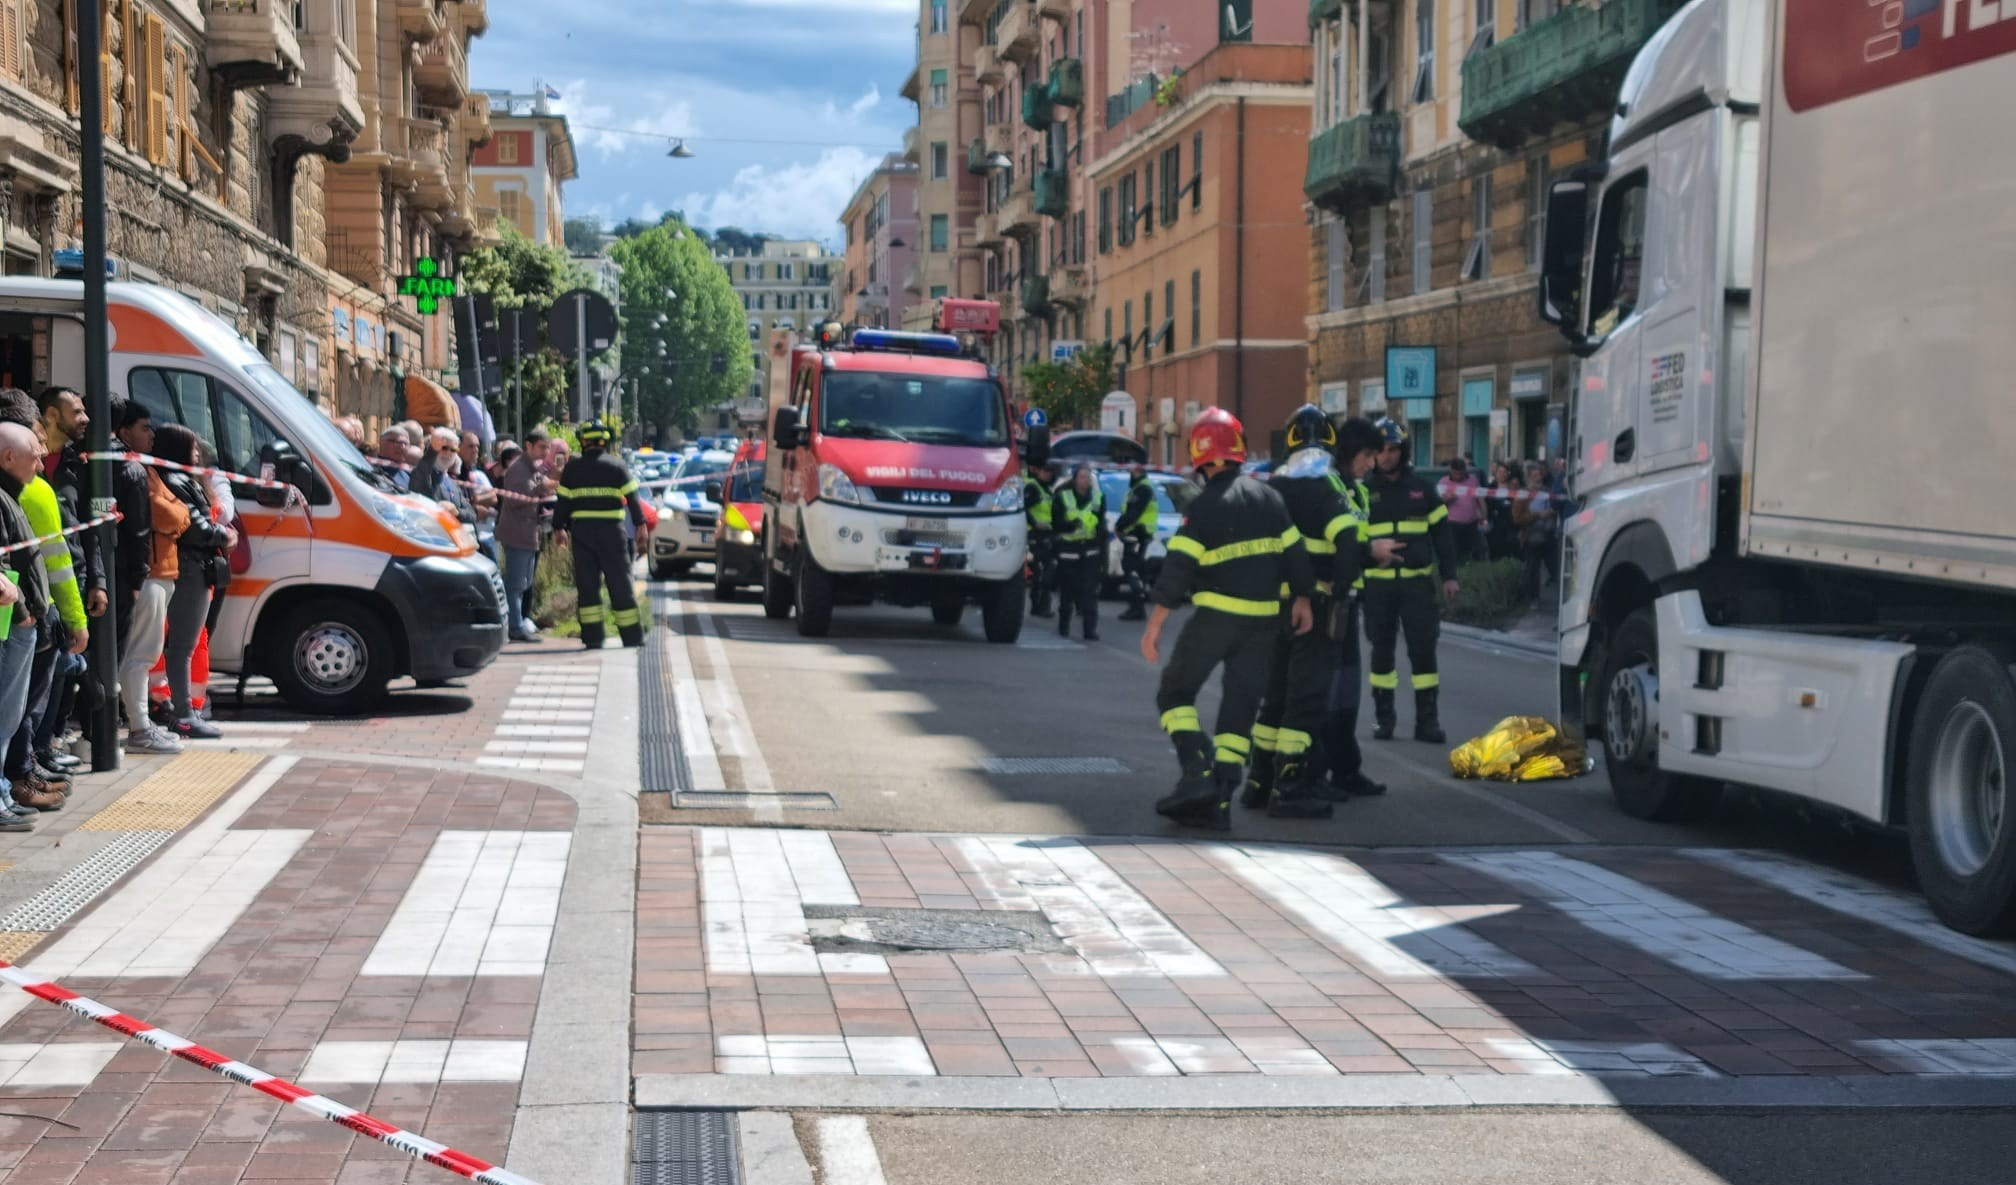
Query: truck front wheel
point(1627, 695)
point(776, 589)
point(1001, 611)
point(813, 586)
point(338, 659)
point(1963, 832)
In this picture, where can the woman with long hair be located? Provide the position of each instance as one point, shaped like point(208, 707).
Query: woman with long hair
point(201, 548)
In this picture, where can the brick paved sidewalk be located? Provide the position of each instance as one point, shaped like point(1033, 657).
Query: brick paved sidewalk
point(754, 956)
point(375, 932)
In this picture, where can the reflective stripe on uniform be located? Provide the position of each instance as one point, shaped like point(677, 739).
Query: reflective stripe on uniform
point(623, 617)
point(629, 487)
point(1437, 515)
point(1335, 527)
point(1396, 573)
point(1320, 546)
point(1325, 588)
point(1264, 737)
point(1181, 719)
point(1272, 545)
point(618, 513)
point(1238, 606)
point(591, 614)
point(1384, 681)
point(596, 491)
point(1424, 682)
point(1294, 742)
point(1408, 526)
point(1232, 748)
point(1185, 545)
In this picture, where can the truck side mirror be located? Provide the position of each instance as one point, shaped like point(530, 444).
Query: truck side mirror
point(1036, 445)
point(279, 462)
point(1561, 257)
point(785, 431)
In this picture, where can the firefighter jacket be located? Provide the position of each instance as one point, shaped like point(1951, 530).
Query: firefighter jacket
point(1405, 505)
point(1333, 532)
point(1035, 502)
point(1237, 552)
point(1077, 524)
point(596, 487)
point(1139, 514)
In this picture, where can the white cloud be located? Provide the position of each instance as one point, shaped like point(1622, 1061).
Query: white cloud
point(793, 199)
point(596, 125)
point(865, 103)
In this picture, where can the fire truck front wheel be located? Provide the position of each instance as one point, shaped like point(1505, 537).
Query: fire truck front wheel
point(812, 593)
point(1001, 610)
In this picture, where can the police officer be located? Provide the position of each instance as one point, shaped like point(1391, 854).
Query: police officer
point(1136, 528)
point(596, 494)
point(1401, 597)
point(1036, 503)
point(1236, 549)
point(1282, 776)
point(1358, 447)
point(1078, 520)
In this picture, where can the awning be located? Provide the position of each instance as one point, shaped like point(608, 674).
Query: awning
point(432, 404)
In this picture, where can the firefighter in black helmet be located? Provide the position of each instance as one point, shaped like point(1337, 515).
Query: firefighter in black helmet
point(1401, 598)
point(596, 494)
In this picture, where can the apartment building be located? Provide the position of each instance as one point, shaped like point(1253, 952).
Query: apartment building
point(1197, 219)
point(949, 195)
point(1438, 127)
point(523, 169)
point(880, 273)
point(789, 284)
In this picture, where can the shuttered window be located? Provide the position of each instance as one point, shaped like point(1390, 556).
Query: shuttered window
point(70, 96)
point(154, 85)
point(182, 135)
point(11, 48)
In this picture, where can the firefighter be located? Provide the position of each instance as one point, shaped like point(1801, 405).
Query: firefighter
point(1036, 501)
point(1136, 528)
point(1078, 518)
point(596, 494)
point(1358, 446)
point(1401, 597)
point(1236, 550)
point(1282, 775)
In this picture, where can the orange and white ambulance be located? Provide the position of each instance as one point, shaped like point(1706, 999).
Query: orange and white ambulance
point(336, 591)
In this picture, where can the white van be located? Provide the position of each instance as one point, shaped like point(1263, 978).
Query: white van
point(359, 586)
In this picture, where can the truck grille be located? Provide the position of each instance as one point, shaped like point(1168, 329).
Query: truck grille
point(702, 521)
point(925, 501)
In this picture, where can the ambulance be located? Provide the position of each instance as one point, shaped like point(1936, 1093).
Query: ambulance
point(339, 586)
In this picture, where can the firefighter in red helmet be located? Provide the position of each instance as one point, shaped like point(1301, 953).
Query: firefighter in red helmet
point(1238, 548)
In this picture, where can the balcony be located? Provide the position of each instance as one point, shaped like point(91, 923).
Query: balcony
point(987, 230)
point(1354, 163)
point(912, 85)
point(1036, 295)
point(418, 152)
point(1053, 193)
point(441, 76)
point(1015, 36)
point(1037, 112)
point(1324, 10)
point(252, 41)
point(476, 119)
point(459, 220)
point(1559, 69)
point(987, 66)
point(1056, 10)
point(976, 156)
point(422, 20)
point(359, 257)
point(476, 16)
point(999, 137)
point(487, 232)
point(1071, 286)
point(1018, 212)
point(1067, 82)
point(911, 151)
point(323, 112)
point(913, 279)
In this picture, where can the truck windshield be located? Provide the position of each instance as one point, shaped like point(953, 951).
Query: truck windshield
point(929, 409)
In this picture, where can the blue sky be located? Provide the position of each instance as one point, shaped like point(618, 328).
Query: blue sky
point(824, 74)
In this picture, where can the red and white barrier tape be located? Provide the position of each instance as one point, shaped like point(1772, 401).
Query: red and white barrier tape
point(80, 528)
point(198, 470)
point(411, 1143)
point(1448, 489)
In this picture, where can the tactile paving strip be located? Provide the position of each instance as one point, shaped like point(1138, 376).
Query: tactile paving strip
point(77, 888)
point(685, 1148)
point(1052, 765)
point(737, 800)
point(15, 943)
point(174, 795)
point(661, 761)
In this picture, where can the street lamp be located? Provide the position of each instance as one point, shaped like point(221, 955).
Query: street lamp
point(680, 151)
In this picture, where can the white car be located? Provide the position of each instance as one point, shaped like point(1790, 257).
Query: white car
point(689, 513)
point(1172, 494)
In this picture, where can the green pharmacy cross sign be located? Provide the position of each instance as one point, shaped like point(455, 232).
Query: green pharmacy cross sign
point(428, 285)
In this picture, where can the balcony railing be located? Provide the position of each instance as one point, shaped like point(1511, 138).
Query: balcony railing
point(359, 257)
point(1037, 111)
point(910, 146)
point(1556, 70)
point(476, 15)
point(1036, 295)
point(1056, 10)
point(252, 41)
point(976, 155)
point(476, 118)
point(488, 233)
point(418, 151)
point(999, 137)
point(987, 66)
point(422, 20)
point(1015, 37)
point(1137, 95)
point(1354, 163)
point(442, 74)
point(1067, 82)
point(1053, 193)
point(1018, 212)
point(987, 229)
point(1070, 286)
point(324, 108)
point(1323, 10)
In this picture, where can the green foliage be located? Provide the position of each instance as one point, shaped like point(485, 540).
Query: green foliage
point(521, 274)
point(1492, 593)
point(1069, 392)
point(704, 322)
point(584, 236)
point(734, 238)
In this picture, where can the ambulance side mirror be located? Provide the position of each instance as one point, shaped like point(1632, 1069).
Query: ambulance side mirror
point(279, 462)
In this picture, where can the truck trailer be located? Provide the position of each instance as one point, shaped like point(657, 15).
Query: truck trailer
point(1793, 565)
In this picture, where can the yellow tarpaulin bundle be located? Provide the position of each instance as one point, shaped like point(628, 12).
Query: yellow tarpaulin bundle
point(1519, 749)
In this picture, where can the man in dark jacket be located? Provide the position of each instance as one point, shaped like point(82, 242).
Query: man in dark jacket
point(1139, 515)
point(134, 428)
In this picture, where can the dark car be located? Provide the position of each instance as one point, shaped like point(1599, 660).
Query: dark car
point(1096, 448)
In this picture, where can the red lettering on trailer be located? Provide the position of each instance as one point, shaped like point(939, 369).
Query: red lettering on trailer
point(1838, 49)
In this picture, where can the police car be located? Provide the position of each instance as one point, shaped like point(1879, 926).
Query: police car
point(689, 513)
point(1173, 493)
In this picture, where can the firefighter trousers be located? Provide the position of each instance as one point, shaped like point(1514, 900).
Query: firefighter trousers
point(1338, 738)
point(1134, 566)
point(1243, 646)
point(1402, 605)
point(601, 556)
point(1298, 688)
point(1078, 572)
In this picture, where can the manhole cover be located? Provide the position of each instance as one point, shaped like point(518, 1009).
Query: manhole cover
point(684, 1148)
point(860, 930)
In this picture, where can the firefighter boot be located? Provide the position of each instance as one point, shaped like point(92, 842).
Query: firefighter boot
point(591, 635)
point(1383, 719)
point(1296, 794)
point(1427, 716)
point(1194, 789)
point(632, 635)
point(1259, 781)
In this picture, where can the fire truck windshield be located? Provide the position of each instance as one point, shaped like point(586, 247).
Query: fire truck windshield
point(927, 409)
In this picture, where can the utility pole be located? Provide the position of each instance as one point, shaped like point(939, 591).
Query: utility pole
point(517, 384)
point(97, 376)
point(581, 352)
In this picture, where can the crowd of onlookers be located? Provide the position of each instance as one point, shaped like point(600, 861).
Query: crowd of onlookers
point(1514, 513)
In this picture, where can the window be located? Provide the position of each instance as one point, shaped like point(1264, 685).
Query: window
point(1147, 322)
point(1127, 321)
point(1379, 76)
point(507, 148)
point(1106, 220)
point(1330, 77)
point(784, 271)
point(1168, 332)
point(1538, 182)
point(1620, 254)
point(1127, 211)
point(175, 397)
point(755, 329)
point(1487, 27)
point(1335, 241)
point(938, 160)
point(1109, 324)
point(1148, 198)
point(1172, 168)
point(937, 88)
point(1237, 21)
point(1477, 261)
point(1078, 237)
point(941, 231)
point(1424, 50)
point(243, 434)
point(1372, 397)
point(1375, 264)
point(938, 22)
point(1478, 395)
point(507, 205)
point(1527, 12)
point(1196, 306)
point(938, 292)
point(1423, 228)
point(1196, 170)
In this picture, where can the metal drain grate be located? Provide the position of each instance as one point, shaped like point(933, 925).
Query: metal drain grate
point(1051, 765)
point(738, 800)
point(661, 761)
point(78, 887)
point(685, 1148)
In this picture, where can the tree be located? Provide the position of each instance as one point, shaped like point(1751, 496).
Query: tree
point(706, 338)
point(584, 236)
point(521, 274)
point(734, 238)
point(1070, 391)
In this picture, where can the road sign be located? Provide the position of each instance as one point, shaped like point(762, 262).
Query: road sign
point(427, 285)
point(1064, 351)
point(582, 316)
point(1034, 418)
point(1410, 372)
